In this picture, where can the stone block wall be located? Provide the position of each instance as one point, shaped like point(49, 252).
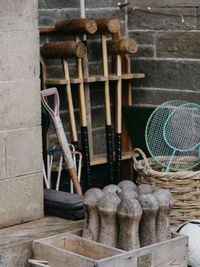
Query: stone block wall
point(168, 51)
point(21, 184)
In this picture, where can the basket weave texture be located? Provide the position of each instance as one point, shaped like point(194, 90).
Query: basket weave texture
point(184, 186)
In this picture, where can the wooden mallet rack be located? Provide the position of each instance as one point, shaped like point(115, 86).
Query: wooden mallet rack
point(119, 49)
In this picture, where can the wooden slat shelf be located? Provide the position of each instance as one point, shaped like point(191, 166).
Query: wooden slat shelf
point(75, 80)
point(129, 76)
point(91, 79)
point(96, 78)
point(126, 76)
point(101, 78)
point(114, 77)
point(58, 81)
point(95, 160)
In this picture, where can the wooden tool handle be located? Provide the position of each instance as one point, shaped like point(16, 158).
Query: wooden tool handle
point(77, 26)
point(108, 25)
point(125, 46)
point(74, 177)
point(84, 129)
point(68, 159)
point(70, 105)
point(65, 148)
point(63, 49)
point(109, 142)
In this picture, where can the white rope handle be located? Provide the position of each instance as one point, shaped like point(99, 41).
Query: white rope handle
point(137, 151)
point(41, 263)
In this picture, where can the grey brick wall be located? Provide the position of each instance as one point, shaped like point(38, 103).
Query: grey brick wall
point(168, 52)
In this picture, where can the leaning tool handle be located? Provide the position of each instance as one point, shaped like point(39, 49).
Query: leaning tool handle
point(120, 48)
point(87, 183)
point(61, 134)
point(109, 142)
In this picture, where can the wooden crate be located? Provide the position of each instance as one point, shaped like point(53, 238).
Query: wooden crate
point(70, 249)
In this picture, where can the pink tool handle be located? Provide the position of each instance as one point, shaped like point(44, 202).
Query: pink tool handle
point(62, 139)
point(58, 123)
point(53, 113)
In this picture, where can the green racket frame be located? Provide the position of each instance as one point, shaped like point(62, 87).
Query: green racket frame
point(146, 137)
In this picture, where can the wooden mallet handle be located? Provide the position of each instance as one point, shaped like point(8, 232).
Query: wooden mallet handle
point(76, 26)
point(124, 46)
point(63, 50)
point(108, 25)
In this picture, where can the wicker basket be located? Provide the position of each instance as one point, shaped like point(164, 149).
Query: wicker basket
point(184, 186)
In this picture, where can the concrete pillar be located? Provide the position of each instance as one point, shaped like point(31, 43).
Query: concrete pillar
point(21, 185)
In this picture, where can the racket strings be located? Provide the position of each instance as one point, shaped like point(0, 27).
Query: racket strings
point(155, 133)
point(182, 128)
point(182, 132)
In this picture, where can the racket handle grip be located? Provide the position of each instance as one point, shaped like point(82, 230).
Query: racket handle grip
point(86, 158)
point(109, 147)
point(118, 156)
